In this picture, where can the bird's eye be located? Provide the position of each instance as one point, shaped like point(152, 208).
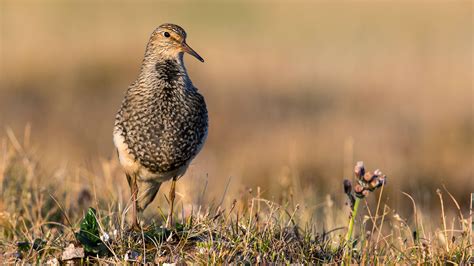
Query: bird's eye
point(166, 34)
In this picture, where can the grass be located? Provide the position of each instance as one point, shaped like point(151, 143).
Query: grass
point(39, 220)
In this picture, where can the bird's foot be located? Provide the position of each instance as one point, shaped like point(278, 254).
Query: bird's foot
point(136, 227)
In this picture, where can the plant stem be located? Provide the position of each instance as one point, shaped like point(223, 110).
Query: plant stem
point(351, 221)
point(350, 229)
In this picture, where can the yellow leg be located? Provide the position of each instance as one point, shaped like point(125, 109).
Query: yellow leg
point(132, 182)
point(169, 221)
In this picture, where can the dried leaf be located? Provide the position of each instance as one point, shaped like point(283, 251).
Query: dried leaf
point(72, 252)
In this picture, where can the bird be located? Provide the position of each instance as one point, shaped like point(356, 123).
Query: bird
point(162, 122)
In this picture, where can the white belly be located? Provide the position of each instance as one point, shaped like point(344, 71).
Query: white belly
point(132, 166)
point(127, 160)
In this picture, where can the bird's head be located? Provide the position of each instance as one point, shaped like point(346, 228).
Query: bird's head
point(169, 41)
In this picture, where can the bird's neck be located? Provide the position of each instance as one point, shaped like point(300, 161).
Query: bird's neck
point(164, 70)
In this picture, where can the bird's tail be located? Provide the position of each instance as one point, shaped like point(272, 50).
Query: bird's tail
point(147, 191)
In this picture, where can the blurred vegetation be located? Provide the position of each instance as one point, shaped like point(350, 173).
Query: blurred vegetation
point(297, 92)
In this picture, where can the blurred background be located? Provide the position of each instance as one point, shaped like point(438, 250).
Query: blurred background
point(297, 93)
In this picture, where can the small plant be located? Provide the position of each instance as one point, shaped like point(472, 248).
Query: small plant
point(366, 182)
point(88, 235)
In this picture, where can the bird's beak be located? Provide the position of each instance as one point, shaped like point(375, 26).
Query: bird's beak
point(190, 51)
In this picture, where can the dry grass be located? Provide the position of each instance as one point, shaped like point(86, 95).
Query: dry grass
point(39, 217)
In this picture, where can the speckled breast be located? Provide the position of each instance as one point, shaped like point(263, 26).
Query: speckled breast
point(164, 133)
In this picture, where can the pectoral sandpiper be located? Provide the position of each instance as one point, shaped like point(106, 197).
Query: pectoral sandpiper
point(162, 122)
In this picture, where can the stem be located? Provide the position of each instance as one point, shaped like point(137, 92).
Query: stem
point(351, 221)
point(351, 227)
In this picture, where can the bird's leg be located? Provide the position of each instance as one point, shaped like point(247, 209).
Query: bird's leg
point(169, 221)
point(132, 182)
point(135, 209)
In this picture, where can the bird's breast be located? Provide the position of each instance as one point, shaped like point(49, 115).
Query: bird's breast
point(163, 134)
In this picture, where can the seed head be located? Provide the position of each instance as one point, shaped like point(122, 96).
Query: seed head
point(358, 189)
point(347, 186)
point(367, 181)
point(369, 177)
point(359, 169)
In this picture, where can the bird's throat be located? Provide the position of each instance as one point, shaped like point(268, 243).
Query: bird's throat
point(169, 71)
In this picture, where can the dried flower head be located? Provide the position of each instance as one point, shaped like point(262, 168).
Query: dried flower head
point(359, 169)
point(358, 188)
point(368, 177)
point(347, 186)
point(367, 182)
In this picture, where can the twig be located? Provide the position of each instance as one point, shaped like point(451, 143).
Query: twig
point(376, 217)
point(461, 217)
point(415, 214)
point(471, 213)
point(225, 190)
point(443, 218)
